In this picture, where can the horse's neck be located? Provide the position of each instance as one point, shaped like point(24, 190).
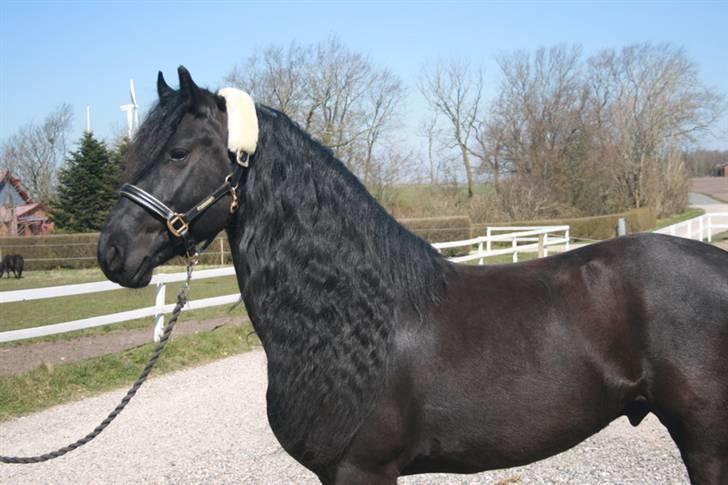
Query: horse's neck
point(325, 328)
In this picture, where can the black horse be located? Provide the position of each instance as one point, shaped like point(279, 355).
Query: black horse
point(14, 263)
point(385, 359)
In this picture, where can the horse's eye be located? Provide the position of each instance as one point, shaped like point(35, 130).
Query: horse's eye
point(178, 154)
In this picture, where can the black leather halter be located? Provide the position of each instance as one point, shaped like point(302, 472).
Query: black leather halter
point(178, 223)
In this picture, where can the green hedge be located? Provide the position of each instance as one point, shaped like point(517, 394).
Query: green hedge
point(72, 251)
point(53, 251)
point(79, 250)
point(437, 229)
point(595, 227)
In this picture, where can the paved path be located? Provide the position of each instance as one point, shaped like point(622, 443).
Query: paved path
point(717, 186)
point(707, 203)
point(695, 199)
point(208, 425)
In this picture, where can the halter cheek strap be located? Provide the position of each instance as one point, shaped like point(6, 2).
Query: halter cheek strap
point(178, 223)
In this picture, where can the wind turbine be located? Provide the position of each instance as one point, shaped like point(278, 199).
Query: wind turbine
point(132, 115)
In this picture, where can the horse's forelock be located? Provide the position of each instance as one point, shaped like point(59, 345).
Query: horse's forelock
point(154, 133)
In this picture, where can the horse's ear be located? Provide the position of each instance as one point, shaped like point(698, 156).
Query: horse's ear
point(163, 90)
point(188, 86)
point(220, 101)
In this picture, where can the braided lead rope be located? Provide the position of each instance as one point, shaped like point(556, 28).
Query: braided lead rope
point(181, 301)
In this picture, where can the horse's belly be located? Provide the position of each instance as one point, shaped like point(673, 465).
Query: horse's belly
point(508, 418)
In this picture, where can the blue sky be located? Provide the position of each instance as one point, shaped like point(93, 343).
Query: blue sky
point(85, 52)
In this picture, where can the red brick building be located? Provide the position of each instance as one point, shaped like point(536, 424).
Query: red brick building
point(19, 215)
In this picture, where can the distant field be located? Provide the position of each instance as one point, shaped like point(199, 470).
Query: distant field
point(413, 194)
point(716, 187)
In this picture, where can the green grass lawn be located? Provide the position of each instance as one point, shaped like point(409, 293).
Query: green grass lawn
point(690, 213)
point(34, 313)
point(48, 386)
point(720, 237)
point(44, 386)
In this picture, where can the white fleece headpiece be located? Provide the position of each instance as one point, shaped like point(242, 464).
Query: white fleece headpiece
point(242, 120)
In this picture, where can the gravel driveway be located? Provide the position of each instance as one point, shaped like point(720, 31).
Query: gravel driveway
point(208, 425)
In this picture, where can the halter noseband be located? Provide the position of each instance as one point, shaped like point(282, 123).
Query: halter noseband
point(178, 223)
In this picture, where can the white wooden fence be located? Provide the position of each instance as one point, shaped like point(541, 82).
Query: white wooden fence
point(701, 228)
point(158, 310)
point(536, 239)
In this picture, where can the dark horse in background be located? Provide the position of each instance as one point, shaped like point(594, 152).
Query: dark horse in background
point(14, 263)
point(385, 359)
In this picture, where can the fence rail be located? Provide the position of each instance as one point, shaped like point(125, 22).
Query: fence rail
point(159, 309)
point(701, 228)
point(535, 239)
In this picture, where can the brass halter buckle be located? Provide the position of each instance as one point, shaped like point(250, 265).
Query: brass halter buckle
point(177, 225)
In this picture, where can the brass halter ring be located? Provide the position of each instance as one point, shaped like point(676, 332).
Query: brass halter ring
point(233, 194)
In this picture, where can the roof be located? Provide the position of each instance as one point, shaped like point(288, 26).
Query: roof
point(7, 180)
point(24, 213)
point(22, 210)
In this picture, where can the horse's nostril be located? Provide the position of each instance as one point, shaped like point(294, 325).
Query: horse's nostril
point(114, 260)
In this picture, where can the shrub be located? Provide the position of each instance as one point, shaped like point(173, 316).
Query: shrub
point(595, 227)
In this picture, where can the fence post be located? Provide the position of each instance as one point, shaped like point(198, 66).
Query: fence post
point(621, 227)
point(222, 254)
point(700, 228)
point(514, 245)
point(480, 251)
point(546, 244)
point(568, 238)
point(541, 248)
point(159, 316)
point(487, 244)
point(690, 228)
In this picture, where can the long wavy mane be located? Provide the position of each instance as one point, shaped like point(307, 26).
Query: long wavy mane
point(326, 273)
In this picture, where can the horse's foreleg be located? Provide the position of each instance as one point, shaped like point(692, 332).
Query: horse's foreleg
point(349, 474)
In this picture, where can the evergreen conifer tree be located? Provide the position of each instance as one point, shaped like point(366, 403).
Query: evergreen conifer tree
point(87, 187)
point(118, 159)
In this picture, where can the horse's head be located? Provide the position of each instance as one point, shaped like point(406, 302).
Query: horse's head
point(180, 156)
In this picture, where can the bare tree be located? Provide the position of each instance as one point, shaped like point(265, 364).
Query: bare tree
point(536, 130)
point(648, 102)
point(381, 103)
point(454, 91)
point(429, 130)
point(335, 94)
point(276, 77)
point(702, 162)
point(36, 152)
